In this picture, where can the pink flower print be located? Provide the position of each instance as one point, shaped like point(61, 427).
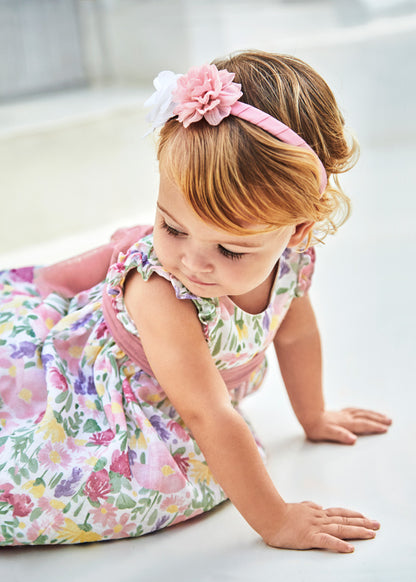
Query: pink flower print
point(23, 274)
point(98, 485)
point(306, 272)
point(227, 309)
point(160, 472)
point(105, 514)
point(34, 531)
point(182, 462)
point(173, 504)
point(101, 330)
point(128, 392)
point(120, 463)
point(120, 529)
point(46, 318)
point(305, 278)
point(23, 390)
point(53, 510)
point(56, 379)
point(5, 489)
point(22, 504)
point(115, 413)
point(102, 438)
point(180, 432)
point(54, 455)
point(205, 92)
point(179, 518)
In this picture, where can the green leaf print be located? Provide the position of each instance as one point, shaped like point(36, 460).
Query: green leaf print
point(282, 290)
point(125, 502)
point(115, 480)
point(217, 346)
point(61, 397)
point(91, 426)
point(16, 478)
point(24, 473)
point(100, 464)
point(37, 512)
point(55, 480)
point(152, 518)
point(33, 465)
point(69, 403)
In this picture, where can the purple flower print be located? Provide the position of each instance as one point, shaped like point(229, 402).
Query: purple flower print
point(82, 385)
point(266, 320)
point(46, 358)
point(81, 322)
point(160, 522)
point(25, 349)
point(284, 267)
point(159, 427)
point(132, 456)
point(144, 260)
point(67, 487)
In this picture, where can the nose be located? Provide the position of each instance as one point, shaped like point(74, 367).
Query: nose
point(196, 261)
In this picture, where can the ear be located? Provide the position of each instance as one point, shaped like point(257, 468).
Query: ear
point(301, 233)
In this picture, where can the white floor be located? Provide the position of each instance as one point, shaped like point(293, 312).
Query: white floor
point(363, 293)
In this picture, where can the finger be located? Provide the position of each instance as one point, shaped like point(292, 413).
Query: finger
point(364, 426)
point(354, 521)
point(340, 434)
point(350, 532)
point(370, 414)
point(325, 541)
point(343, 512)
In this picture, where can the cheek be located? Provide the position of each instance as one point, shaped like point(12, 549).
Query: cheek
point(161, 246)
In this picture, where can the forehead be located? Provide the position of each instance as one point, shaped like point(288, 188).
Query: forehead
point(174, 207)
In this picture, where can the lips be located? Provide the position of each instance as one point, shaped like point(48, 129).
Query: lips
point(197, 282)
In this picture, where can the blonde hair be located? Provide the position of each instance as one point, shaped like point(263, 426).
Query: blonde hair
point(235, 175)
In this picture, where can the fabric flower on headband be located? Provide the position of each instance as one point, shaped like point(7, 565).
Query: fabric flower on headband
point(161, 100)
point(204, 92)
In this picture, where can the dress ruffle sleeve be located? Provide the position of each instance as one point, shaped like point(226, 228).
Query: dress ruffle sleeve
point(306, 267)
point(141, 256)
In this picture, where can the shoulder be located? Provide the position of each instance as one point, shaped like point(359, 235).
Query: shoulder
point(155, 301)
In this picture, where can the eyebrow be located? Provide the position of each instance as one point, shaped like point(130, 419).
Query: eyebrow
point(240, 243)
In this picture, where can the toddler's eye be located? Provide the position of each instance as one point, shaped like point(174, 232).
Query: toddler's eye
point(170, 230)
point(230, 254)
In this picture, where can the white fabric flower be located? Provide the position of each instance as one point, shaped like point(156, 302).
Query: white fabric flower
point(161, 102)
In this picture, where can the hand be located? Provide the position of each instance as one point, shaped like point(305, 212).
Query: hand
point(343, 426)
point(307, 525)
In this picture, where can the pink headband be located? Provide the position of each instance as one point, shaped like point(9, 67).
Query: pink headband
point(209, 93)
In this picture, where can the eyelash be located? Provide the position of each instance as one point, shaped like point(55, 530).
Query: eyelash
point(225, 252)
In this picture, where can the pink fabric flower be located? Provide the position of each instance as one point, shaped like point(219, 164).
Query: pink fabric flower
point(205, 92)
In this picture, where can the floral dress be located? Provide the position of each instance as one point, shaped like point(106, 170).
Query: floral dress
point(90, 446)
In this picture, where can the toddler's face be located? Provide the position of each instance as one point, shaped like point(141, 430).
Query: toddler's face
point(209, 261)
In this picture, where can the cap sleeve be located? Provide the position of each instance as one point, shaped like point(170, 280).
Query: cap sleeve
point(306, 267)
point(142, 257)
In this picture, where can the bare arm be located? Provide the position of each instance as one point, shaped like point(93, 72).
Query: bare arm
point(179, 356)
point(298, 348)
point(180, 359)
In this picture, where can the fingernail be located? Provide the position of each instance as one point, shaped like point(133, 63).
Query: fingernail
point(375, 524)
point(350, 548)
